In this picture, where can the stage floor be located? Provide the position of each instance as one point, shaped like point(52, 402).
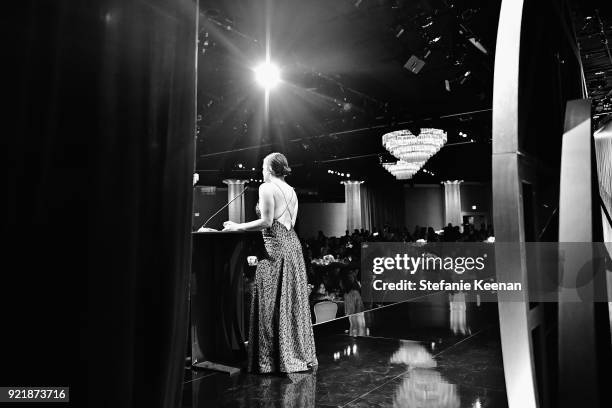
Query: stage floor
point(417, 354)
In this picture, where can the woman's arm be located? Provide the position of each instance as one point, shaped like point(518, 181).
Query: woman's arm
point(295, 212)
point(266, 208)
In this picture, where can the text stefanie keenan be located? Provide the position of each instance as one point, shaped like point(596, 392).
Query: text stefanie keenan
point(424, 284)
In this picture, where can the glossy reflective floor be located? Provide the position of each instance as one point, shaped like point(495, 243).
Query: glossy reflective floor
point(437, 352)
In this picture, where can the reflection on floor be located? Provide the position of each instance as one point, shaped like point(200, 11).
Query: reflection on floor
point(441, 353)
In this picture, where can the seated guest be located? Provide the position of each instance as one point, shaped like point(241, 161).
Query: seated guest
point(310, 274)
point(307, 251)
point(321, 238)
point(405, 237)
point(346, 237)
point(456, 233)
point(483, 228)
point(334, 277)
point(423, 233)
point(324, 250)
point(451, 233)
point(431, 235)
point(481, 234)
point(320, 294)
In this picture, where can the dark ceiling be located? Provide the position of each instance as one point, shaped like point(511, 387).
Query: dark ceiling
point(344, 86)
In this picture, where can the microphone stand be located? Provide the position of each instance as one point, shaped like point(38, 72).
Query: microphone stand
point(222, 208)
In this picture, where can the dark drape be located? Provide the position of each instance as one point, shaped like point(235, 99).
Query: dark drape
point(100, 196)
point(382, 205)
point(143, 198)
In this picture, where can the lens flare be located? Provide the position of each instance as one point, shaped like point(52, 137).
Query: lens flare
point(267, 75)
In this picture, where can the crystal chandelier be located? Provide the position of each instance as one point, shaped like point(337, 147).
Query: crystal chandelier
point(414, 149)
point(411, 149)
point(403, 170)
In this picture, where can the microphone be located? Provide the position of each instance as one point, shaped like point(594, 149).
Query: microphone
point(222, 208)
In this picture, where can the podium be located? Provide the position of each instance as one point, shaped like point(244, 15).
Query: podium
point(219, 312)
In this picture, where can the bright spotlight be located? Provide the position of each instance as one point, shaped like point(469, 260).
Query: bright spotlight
point(267, 75)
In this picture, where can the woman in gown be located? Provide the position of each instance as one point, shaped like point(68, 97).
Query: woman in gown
point(280, 335)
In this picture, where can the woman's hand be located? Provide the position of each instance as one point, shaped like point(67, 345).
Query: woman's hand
point(231, 226)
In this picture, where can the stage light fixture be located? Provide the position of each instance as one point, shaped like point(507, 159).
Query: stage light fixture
point(478, 45)
point(267, 75)
point(465, 77)
point(414, 64)
point(428, 22)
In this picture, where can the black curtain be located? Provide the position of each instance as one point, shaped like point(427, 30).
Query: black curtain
point(382, 205)
point(100, 194)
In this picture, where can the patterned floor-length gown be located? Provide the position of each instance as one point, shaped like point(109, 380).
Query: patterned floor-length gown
point(280, 334)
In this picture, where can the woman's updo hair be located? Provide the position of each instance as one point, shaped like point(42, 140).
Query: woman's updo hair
point(278, 164)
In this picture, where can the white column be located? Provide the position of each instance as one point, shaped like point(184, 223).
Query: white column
point(514, 317)
point(352, 198)
point(236, 208)
point(452, 202)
